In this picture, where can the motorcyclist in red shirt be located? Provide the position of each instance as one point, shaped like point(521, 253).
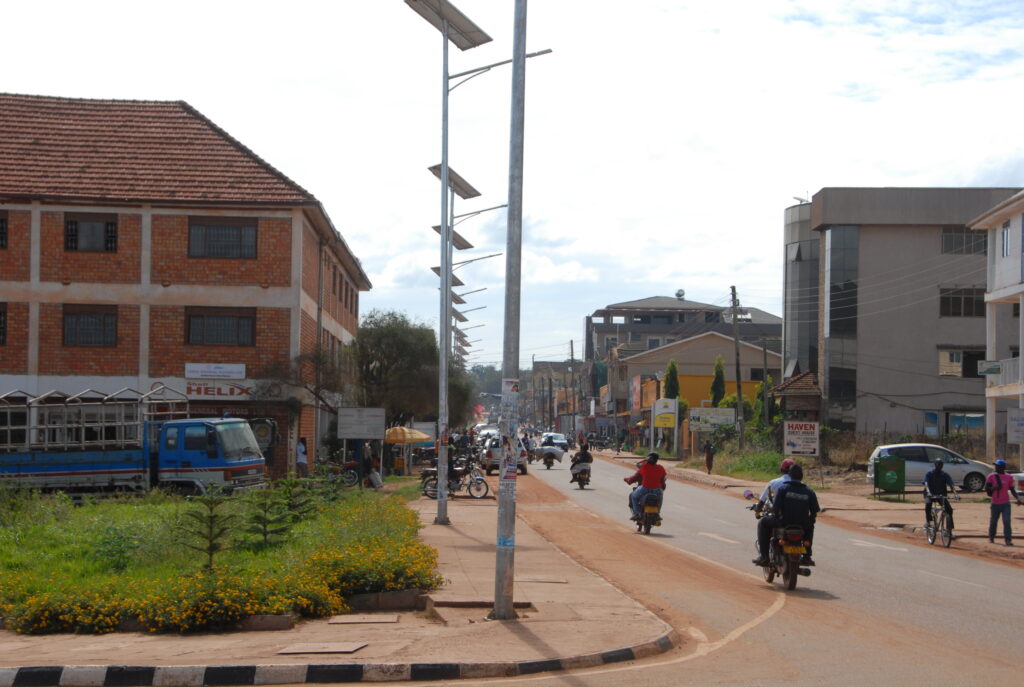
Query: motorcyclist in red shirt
point(652, 478)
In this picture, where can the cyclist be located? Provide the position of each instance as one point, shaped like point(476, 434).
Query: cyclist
point(938, 483)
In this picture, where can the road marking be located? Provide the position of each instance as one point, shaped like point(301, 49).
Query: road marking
point(725, 522)
point(861, 542)
point(718, 537)
point(951, 579)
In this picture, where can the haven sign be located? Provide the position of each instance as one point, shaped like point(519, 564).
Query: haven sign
point(801, 438)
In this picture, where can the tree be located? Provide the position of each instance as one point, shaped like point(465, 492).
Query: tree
point(730, 402)
point(773, 406)
point(718, 383)
point(671, 380)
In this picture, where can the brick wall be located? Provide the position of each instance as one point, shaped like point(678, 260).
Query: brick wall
point(171, 262)
point(168, 351)
point(14, 260)
point(57, 359)
point(59, 265)
point(14, 354)
point(310, 252)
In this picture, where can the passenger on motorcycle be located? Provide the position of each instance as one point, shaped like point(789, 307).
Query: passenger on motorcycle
point(652, 478)
point(795, 504)
point(765, 523)
point(581, 461)
point(936, 483)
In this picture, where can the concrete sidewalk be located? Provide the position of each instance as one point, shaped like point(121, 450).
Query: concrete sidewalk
point(568, 618)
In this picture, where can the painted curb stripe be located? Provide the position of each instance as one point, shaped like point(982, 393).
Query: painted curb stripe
point(617, 656)
point(129, 676)
point(529, 667)
point(435, 671)
point(350, 672)
point(38, 676)
point(179, 676)
point(230, 675)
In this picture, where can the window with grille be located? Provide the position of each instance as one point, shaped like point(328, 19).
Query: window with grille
point(221, 237)
point(90, 325)
point(3, 231)
point(221, 326)
point(968, 302)
point(963, 241)
point(90, 233)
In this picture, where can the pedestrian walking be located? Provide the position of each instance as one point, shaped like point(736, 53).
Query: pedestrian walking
point(709, 456)
point(301, 459)
point(999, 486)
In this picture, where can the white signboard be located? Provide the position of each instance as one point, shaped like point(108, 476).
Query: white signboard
point(707, 419)
point(214, 371)
point(224, 391)
point(1015, 426)
point(801, 438)
point(361, 423)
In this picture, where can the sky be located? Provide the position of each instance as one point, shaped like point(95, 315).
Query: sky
point(663, 139)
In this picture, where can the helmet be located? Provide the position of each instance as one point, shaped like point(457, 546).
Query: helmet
point(786, 465)
point(652, 457)
point(1000, 463)
point(939, 463)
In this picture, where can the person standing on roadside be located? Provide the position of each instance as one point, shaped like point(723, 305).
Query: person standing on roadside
point(301, 459)
point(999, 486)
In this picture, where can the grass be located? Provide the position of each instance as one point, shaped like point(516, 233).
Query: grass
point(86, 569)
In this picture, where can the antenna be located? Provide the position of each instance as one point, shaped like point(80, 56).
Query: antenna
point(680, 294)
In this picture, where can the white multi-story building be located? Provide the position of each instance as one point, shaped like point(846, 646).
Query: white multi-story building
point(1004, 292)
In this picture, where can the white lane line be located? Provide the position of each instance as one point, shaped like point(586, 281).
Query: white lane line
point(725, 522)
point(861, 542)
point(951, 579)
point(718, 537)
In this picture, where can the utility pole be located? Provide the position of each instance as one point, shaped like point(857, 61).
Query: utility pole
point(572, 384)
point(739, 377)
point(505, 548)
point(764, 383)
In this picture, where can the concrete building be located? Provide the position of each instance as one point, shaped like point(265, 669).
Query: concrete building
point(900, 306)
point(1003, 225)
point(142, 244)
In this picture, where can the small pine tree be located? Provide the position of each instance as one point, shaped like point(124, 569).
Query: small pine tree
point(671, 380)
point(209, 525)
point(268, 517)
point(295, 498)
point(718, 383)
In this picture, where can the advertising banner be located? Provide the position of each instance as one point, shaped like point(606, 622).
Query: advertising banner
point(665, 410)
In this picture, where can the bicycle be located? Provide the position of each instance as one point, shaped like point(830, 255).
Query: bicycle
point(939, 525)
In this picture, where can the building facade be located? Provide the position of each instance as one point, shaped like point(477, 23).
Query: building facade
point(1002, 226)
point(141, 244)
point(900, 304)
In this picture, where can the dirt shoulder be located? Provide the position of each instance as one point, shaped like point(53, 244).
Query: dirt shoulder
point(848, 501)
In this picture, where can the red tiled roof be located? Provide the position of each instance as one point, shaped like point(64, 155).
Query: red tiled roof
point(79, 149)
point(805, 383)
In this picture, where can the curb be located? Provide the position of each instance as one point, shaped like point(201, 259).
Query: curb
point(276, 674)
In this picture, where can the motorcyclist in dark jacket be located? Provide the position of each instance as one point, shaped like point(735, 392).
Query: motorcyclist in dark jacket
point(581, 461)
point(795, 504)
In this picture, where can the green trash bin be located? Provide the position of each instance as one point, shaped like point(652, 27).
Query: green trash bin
point(890, 474)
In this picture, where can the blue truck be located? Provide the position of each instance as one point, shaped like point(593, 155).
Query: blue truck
point(125, 442)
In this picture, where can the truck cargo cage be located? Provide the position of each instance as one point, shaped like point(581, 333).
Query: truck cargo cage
point(90, 419)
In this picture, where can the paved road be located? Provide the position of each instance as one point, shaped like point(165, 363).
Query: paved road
point(875, 609)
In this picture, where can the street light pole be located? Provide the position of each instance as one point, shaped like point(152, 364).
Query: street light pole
point(504, 573)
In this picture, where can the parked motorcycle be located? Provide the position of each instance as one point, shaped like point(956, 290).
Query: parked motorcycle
point(347, 472)
point(785, 549)
point(467, 477)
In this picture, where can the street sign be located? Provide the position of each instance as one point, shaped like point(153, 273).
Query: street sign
point(665, 410)
point(1015, 425)
point(707, 419)
point(361, 423)
point(801, 438)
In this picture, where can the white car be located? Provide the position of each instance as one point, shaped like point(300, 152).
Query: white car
point(557, 439)
point(920, 458)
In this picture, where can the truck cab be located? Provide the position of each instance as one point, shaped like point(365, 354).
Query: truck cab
point(196, 455)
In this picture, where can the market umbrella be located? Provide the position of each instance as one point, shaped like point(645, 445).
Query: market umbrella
point(404, 435)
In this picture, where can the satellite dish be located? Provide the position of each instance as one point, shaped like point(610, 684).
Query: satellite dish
point(680, 294)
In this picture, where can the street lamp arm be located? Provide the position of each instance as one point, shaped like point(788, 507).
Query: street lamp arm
point(457, 265)
point(480, 70)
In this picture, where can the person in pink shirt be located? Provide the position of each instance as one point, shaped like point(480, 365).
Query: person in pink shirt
point(999, 486)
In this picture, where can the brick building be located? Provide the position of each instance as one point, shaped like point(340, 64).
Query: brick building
point(141, 244)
